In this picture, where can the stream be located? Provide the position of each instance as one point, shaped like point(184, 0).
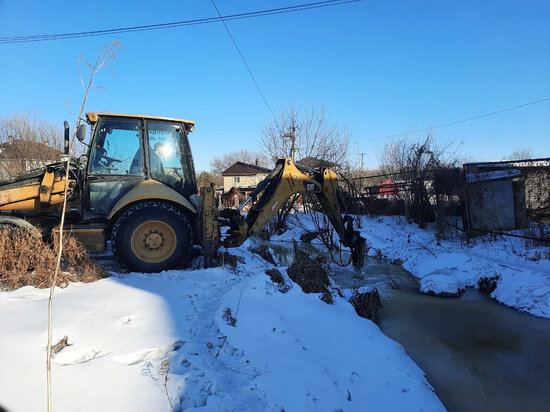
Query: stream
point(479, 355)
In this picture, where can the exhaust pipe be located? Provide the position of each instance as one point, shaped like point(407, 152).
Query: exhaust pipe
point(66, 140)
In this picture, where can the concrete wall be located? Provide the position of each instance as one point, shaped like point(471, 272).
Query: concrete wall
point(537, 189)
point(491, 205)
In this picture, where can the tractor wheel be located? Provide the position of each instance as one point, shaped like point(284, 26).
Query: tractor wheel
point(15, 224)
point(151, 237)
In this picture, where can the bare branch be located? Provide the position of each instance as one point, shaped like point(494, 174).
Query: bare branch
point(26, 142)
point(106, 54)
point(316, 136)
point(219, 163)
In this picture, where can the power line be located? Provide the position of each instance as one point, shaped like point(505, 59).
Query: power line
point(239, 16)
point(244, 61)
point(427, 129)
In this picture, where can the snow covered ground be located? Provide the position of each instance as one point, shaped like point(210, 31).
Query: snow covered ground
point(450, 266)
point(287, 352)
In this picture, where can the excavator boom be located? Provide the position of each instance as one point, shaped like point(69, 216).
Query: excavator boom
point(282, 183)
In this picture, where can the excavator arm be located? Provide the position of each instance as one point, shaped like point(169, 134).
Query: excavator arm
point(35, 193)
point(282, 183)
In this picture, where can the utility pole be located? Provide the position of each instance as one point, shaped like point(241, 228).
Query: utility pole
point(362, 157)
point(292, 136)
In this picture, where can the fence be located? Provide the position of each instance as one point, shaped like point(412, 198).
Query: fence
point(486, 196)
point(420, 196)
point(507, 195)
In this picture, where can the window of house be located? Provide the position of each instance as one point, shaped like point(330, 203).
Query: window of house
point(236, 179)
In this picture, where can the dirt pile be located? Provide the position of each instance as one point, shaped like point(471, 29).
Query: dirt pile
point(227, 258)
point(26, 259)
point(366, 304)
point(264, 253)
point(277, 277)
point(311, 273)
point(488, 284)
point(307, 237)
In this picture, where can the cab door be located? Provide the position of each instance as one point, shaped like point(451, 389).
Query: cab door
point(115, 165)
point(170, 159)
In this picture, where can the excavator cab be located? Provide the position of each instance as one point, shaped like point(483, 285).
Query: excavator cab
point(126, 151)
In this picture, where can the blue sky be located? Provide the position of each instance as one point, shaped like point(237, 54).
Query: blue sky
point(379, 67)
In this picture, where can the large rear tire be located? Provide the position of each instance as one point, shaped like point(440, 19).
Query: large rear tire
point(151, 237)
point(14, 224)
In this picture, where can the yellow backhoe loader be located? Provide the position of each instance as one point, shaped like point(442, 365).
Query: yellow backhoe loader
point(136, 187)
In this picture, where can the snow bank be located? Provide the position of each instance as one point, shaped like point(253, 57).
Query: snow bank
point(286, 351)
point(448, 266)
point(319, 357)
point(441, 284)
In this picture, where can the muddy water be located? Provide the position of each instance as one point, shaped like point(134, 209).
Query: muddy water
point(477, 354)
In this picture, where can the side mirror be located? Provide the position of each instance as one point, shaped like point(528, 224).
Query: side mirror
point(81, 133)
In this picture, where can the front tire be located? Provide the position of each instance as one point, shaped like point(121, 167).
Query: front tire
point(152, 237)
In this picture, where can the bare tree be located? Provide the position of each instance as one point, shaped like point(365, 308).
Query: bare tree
point(105, 56)
point(411, 163)
point(416, 157)
point(308, 135)
point(219, 163)
point(205, 178)
point(316, 136)
point(27, 142)
point(520, 154)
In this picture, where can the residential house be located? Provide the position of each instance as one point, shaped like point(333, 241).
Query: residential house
point(19, 156)
point(239, 180)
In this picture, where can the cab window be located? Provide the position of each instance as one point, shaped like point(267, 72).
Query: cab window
point(170, 159)
point(116, 148)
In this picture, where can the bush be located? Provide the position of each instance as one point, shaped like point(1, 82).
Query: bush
point(26, 259)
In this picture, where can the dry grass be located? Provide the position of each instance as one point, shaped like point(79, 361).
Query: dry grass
point(26, 259)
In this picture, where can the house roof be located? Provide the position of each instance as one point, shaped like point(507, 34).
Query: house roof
point(244, 169)
point(26, 149)
point(315, 163)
